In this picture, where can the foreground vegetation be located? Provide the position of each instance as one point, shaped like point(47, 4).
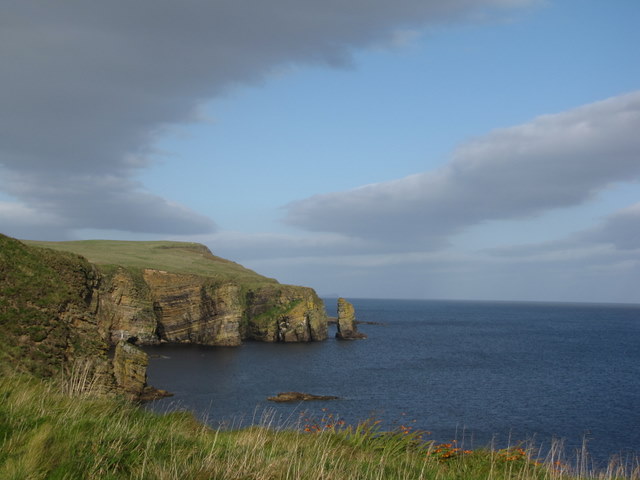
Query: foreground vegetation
point(59, 430)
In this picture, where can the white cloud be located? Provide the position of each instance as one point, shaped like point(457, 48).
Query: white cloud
point(551, 162)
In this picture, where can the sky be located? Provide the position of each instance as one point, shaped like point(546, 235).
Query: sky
point(469, 149)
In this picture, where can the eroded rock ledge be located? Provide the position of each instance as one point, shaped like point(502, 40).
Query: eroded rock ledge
point(283, 397)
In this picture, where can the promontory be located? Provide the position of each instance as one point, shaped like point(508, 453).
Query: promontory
point(65, 303)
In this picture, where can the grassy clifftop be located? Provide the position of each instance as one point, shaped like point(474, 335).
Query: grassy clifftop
point(176, 257)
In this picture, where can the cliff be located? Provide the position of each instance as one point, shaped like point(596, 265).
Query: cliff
point(180, 292)
point(62, 302)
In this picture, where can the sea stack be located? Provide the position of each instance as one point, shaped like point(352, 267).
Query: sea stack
point(347, 329)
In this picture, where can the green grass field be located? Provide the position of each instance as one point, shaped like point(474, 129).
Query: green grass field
point(177, 257)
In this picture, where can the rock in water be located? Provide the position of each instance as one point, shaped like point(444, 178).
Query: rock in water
point(299, 397)
point(347, 329)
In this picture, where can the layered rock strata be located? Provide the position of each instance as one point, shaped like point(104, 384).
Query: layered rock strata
point(161, 306)
point(58, 311)
point(130, 372)
point(347, 329)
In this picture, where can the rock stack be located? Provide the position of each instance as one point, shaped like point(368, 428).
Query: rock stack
point(347, 329)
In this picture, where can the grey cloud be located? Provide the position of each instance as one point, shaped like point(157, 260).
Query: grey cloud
point(95, 201)
point(622, 230)
point(551, 162)
point(86, 87)
point(615, 239)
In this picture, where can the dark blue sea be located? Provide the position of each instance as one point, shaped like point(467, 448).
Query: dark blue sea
point(483, 373)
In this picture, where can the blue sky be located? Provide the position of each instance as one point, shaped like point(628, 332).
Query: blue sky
point(383, 149)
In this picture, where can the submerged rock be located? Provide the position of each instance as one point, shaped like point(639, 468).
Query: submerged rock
point(299, 397)
point(347, 329)
point(152, 393)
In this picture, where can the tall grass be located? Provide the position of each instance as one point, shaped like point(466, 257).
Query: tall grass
point(53, 430)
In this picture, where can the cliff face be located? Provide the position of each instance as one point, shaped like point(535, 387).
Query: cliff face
point(125, 308)
point(180, 308)
point(181, 293)
point(192, 309)
point(56, 308)
point(283, 313)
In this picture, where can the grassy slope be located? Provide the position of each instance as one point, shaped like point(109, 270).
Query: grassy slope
point(47, 434)
point(42, 293)
point(177, 257)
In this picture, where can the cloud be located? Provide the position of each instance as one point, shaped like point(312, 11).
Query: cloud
point(554, 161)
point(616, 237)
point(87, 87)
point(622, 230)
point(598, 264)
point(101, 202)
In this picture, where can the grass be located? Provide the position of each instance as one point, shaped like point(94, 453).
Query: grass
point(43, 295)
point(59, 430)
point(176, 257)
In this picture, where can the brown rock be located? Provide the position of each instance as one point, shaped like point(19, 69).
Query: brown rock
point(151, 393)
point(285, 313)
point(347, 329)
point(283, 397)
point(130, 369)
point(162, 306)
point(194, 309)
point(126, 309)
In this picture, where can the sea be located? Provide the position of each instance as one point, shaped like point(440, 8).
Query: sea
point(486, 374)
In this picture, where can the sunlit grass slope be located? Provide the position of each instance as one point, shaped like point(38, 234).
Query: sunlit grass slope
point(177, 257)
point(51, 431)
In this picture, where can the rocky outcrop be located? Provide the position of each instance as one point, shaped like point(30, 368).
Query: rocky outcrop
point(130, 368)
point(130, 372)
point(161, 306)
point(283, 313)
point(284, 397)
point(347, 329)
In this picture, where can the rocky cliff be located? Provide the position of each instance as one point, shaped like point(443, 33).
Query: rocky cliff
point(56, 307)
point(161, 306)
point(181, 293)
point(347, 328)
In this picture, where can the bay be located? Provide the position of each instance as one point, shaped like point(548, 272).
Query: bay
point(483, 373)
